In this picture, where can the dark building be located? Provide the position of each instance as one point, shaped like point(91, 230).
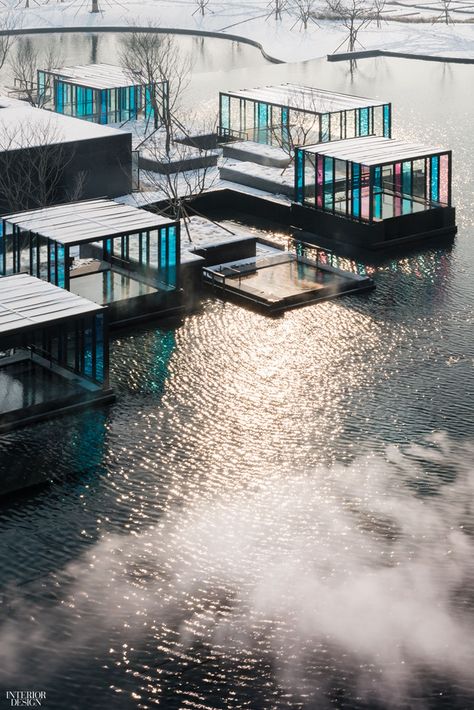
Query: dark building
point(46, 158)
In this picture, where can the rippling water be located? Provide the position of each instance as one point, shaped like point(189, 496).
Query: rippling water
point(276, 512)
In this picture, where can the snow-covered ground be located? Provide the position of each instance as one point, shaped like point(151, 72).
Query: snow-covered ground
point(282, 39)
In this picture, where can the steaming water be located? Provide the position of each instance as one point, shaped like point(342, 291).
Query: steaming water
point(275, 513)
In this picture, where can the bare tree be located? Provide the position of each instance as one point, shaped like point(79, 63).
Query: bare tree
point(276, 8)
point(177, 181)
point(33, 161)
point(378, 8)
point(354, 16)
point(445, 16)
point(9, 20)
point(305, 11)
point(201, 6)
point(24, 64)
point(149, 59)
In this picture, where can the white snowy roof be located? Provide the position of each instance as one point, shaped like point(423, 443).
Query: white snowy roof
point(306, 98)
point(27, 302)
point(373, 150)
point(86, 221)
point(24, 126)
point(95, 76)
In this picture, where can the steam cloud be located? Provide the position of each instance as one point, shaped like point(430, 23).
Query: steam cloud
point(369, 565)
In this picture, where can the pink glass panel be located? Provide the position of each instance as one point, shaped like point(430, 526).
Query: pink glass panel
point(428, 178)
point(443, 179)
point(398, 177)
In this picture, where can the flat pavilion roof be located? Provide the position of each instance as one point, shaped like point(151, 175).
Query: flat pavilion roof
point(306, 98)
point(24, 126)
point(372, 150)
point(27, 303)
point(87, 221)
point(95, 76)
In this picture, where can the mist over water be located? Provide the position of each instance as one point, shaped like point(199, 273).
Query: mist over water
point(374, 597)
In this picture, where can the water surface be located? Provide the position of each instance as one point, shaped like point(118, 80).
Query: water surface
point(275, 513)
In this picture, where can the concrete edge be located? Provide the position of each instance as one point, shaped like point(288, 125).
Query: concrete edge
point(368, 53)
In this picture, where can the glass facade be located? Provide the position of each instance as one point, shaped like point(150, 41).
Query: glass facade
point(372, 193)
point(77, 344)
point(109, 105)
point(154, 253)
point(280, 125)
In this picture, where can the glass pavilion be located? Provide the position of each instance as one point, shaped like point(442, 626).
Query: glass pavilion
point(101, 93)
point(136, 252)
point(289, 114)
point(53, 350)
point(372, 179)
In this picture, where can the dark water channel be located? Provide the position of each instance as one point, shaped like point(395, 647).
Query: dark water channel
point(275, 513)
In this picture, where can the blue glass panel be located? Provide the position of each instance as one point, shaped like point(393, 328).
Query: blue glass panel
point(163, 241)
point(172, 246)
point(61, 267)
point(299, 172)
point(80, 101)
point(52, 263)
point(262, 123)
point(386, 121)
point(99, 347)
point(103, 106)
point(285, 131)
point(364, 122)
point(328, 183)
point(434, 178)
point(225, 111)
point(89, 108)
point(88, 351)
point(59, 97)
point(355, 190)
point(324, 128)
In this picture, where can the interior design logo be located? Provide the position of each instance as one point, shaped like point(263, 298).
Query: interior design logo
point(26, 698)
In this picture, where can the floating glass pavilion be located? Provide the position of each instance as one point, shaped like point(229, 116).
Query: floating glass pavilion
point(403, 187)
point(280, 115)
point(132, 255)
point(53, 351)
point(370, 179)
point(101, 93)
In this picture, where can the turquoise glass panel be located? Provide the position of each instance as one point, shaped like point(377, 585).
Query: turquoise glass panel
point(163, 255)
point(356, 190)
point(364, 122)
point(299, 172)
point(386, 121)
point(149, 112)
point(80, 101)
point(406, 178)
point(88, 352)
point(99, 347)
point(262, 123)
point(377, 190)
point(59, 97)
point(61, 267)
point(285, 131)
point(225, 111)
point(328, 183)
point(103, 106)
point(324, 128)
point(434, 178)
point(89, 102)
